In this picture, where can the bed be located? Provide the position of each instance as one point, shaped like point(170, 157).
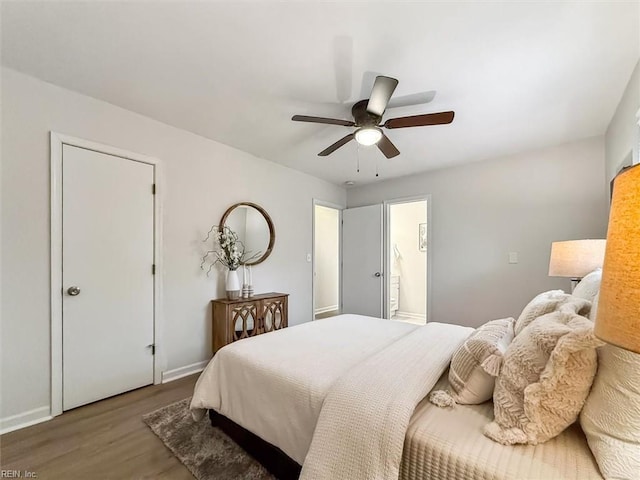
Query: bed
point(282, 396)
point(448, 444)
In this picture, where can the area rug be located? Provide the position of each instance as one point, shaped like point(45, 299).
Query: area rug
point(207, 452)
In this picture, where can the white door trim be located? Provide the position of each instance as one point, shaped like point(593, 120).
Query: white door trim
point(387, 252)
point(322, 203)
point(57, 141)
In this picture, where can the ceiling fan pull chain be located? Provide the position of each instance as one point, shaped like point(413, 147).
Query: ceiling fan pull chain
point(376, 165)
point(358, 157)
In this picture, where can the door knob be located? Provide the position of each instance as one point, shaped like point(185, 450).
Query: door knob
point(377, 274)
point(73, 291)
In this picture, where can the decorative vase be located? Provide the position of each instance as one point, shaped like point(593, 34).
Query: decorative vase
point(233, 285)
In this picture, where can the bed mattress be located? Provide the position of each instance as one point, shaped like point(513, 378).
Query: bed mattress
point(448, 444)
point(255, 383)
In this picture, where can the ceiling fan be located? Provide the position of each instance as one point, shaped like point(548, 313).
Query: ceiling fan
point(367, 115)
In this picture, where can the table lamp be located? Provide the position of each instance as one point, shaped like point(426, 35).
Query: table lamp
point(618, 315)
point(576, 258)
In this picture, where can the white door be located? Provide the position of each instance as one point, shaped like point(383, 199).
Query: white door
point(108, 304)
point(362, 260)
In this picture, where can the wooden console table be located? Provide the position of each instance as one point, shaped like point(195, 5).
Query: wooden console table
point(247, 317)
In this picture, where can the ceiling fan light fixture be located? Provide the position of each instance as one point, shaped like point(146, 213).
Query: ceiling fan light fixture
point(367, 115)
point(368, 135)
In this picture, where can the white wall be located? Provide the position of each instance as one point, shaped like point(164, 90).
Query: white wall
point(411, 267)
point(327, 258)
point(202, 179)
point(482, 211)
point(622, 139)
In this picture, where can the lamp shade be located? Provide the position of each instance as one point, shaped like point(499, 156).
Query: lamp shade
point(576, 258)
point(618, 316)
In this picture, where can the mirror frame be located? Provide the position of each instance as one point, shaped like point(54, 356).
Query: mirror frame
point(272, 231)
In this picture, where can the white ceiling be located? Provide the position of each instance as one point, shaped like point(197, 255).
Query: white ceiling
point(518, 75)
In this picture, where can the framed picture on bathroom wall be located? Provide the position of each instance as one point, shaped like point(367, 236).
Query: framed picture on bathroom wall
point(422, 237)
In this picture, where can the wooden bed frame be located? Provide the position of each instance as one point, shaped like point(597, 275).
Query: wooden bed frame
point(271, 457)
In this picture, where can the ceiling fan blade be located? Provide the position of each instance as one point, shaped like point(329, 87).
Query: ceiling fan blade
point(441, 118)
point(380, 94)
point(419, 98)
point(368, 79)
point(329, 150)
point(387, 148)
point(330, 121)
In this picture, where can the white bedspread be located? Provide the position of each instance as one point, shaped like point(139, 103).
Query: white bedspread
point(363, 422)
point(274, 384)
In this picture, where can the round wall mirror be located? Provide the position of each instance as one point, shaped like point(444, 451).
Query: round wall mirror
point(254, 228)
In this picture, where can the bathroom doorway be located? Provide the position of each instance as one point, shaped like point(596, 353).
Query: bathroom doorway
point(327, 222)
point(407, 260)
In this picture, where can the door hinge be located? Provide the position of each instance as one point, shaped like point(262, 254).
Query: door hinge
point(153, 189)
point(153, 269)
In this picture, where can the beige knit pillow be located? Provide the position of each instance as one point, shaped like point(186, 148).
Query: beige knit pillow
point(541, 304)
point(545, 378)
point(611, 415)
point(475, 364)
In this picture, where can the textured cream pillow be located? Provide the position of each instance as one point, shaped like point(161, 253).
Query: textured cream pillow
point(542, 304)
point(545, 378)
point(611, 415)
point(589, 286)
point(475, 364)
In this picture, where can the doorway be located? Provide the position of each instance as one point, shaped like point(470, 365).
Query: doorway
point(407, 260)
point(105, 231)
point(327, 222)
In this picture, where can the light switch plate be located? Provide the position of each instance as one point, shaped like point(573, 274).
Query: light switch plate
point(513, 257)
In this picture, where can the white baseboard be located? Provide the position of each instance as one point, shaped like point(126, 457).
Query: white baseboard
point(330, 308)
point(25, 419)
point(176, 373)
point(416, 316)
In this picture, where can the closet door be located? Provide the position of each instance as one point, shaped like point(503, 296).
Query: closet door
point(108, 296)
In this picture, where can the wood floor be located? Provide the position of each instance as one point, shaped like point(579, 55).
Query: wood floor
point(104, 440)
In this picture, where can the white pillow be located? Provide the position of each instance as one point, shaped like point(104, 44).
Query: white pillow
point(610, 418)
point(475, 365)
point(589, 286)
point(594, 308)
point(546, 375)
point(541, 304)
